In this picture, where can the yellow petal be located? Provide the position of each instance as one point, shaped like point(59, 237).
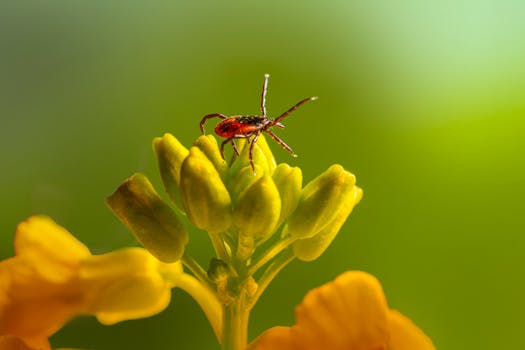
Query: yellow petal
point(32, 307)
point(44, 286)
point(126, 284)
point(135, 297)
point(405, 335)
point(54, 251)
point(38, 289)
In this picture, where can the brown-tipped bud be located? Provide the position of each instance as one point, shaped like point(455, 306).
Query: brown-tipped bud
point(156, 226)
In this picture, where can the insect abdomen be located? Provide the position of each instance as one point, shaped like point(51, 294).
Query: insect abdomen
point(238, 125)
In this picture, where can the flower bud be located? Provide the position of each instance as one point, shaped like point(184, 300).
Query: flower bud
point(320, 201)
point(208, 145)
point(170, 155)
point(311, 248)
point(243, 179)
point(258, 155)
point(288, 181)
point(218, 271)
point(263, 145)
point(204, 196)
point(150, 219)
point(257, 211)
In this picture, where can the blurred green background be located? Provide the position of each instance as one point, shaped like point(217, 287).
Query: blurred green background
point(422, 100)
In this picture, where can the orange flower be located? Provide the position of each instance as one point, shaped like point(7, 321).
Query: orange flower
point(349, 313)
point(53, 277)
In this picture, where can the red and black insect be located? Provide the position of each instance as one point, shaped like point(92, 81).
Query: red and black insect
point(246, 126)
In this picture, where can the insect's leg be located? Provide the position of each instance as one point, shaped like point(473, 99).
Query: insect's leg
point(297, 105)
point(263, 95)
point(234, 146)
point(252, 143)
point(281, 142)
point(209, 116)
point(224, 143)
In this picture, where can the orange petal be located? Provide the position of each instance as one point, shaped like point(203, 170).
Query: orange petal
point(11, 342)
point(405, 335)
point(30, 306)
point(349, 313)
point(276, 338)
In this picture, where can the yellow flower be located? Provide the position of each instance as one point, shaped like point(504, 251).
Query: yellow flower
point(349, 313)
point(242, 205)
point(53, 277)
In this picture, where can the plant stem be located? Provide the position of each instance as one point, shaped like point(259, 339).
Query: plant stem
point(196, 269)
point(235, 324)
point(269, 274)
point(271, 253)
point(219, 247)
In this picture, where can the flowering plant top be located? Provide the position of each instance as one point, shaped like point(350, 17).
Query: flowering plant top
point(259, 217)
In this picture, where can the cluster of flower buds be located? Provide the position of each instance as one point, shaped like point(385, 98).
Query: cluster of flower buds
point(240, 208)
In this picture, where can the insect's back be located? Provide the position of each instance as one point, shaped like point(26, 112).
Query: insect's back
point(239, 125)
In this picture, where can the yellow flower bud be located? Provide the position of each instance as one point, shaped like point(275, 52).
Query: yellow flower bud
point(257, 211)
point(208, 145)
point(265, 148)
point(243, 179)
point(288, 181)
point(170, 155)
point(320, 201)
point(151, 220)
point(258, 154)
point(311, 248)
point(204, 196)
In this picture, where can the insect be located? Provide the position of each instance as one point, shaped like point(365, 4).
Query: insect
point(251, 126)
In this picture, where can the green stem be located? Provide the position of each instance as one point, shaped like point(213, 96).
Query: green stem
point(228, 241)
point(196, 269)
point(271, 253)
point(235, 324)
point(275, 267)
point(219, 247)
